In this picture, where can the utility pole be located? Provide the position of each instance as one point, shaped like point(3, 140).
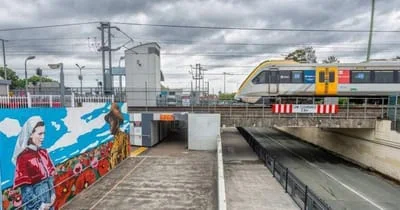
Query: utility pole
point(107, 75)
point(102, 48)
point(197, 77)
point(4, 63)
point(110, 86)
point(224, 82)
point(371, 27)
point(4, 59)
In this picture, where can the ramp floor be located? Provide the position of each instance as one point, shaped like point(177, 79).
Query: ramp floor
point(167, 176)
point(249, 184)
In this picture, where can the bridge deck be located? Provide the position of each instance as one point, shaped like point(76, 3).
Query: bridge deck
point(239, 116)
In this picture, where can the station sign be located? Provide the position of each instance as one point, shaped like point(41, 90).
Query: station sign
point(304, 108)
point(167, 117)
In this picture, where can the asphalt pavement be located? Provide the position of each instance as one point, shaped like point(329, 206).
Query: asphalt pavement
point(342, 185)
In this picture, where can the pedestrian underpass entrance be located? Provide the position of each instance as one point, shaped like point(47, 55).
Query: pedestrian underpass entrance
point(200, 131)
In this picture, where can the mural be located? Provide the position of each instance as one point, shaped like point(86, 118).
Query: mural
point(58, 152)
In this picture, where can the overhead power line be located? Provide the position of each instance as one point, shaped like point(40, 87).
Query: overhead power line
point(47, 26)
point(253, 29)
point(202, 27)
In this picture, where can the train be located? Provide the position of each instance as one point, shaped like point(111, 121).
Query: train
point(289, 78)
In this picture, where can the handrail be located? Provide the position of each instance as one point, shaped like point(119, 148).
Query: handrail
point(304, 197)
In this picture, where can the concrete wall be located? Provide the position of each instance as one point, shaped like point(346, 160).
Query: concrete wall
point(78, 142)
point(377, 148)
point(3, 90)
point(142, 75)
point(203, 130)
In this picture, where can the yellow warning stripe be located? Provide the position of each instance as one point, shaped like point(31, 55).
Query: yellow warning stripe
point(138, 151)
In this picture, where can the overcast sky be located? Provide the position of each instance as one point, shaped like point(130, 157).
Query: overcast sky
point(233, 51)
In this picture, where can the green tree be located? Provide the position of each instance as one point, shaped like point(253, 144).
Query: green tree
point(11, 75)
point(303, 55)
point(35, 79)
point(226, 96)
point(331, 59)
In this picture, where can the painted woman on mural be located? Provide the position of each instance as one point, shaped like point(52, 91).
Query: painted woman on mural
point(34, 169)
point(120, 148)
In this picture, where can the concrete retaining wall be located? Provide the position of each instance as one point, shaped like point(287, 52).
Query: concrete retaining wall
point(298, 122)
point(377, 148)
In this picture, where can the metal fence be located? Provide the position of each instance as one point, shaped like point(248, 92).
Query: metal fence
point(304, 197)
point(231, 109)
point(31, 101)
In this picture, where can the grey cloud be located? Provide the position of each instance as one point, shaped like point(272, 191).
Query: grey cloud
point(316, 14)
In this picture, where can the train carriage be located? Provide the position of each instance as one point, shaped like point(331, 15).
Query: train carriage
point(288, 78)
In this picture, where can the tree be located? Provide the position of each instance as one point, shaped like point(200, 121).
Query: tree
point(11, 75)
point(35, 79)
point(331, 59)
point(226, 96)
point(303, 55)
point(16, 82)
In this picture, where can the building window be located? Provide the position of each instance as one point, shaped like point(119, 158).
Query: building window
point(384, 77)
point(297, 77)
point(360, 76)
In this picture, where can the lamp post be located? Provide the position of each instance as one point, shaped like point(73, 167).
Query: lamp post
point(120, 76)
point(26, 74)
point(80, 74)
point(56, 66)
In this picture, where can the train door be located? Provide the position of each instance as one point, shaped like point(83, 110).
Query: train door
point(273, 81)
point(326, 80)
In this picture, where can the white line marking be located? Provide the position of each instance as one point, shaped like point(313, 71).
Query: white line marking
point(120, 181)
point(326, 173)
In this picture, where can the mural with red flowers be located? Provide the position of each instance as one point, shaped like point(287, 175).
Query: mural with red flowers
point(78, 173)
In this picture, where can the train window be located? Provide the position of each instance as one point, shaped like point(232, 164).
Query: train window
point(331, 76)
point(384, 77)
point(273, 77)
point(321, 76)
point(260, 78)
point(297, 77)
point(360, 76)
point(284, 76)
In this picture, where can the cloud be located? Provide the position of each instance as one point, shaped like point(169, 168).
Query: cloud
point(10, 127)
point(78, 43)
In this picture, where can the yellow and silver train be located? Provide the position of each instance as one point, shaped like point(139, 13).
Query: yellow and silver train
point(289, 78)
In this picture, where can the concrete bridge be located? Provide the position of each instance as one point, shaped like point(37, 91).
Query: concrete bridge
point(262, 116)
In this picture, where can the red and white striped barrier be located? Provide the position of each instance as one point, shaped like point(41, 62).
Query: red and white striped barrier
point(305, 108)
point(327, 108)
point(282, 108)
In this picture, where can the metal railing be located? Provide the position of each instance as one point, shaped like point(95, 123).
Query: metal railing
point(304, 197)
point(32, 101)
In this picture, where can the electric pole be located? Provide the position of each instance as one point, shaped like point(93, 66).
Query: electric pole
point(371, 27)
point(102, 49)
point(106, 47)
point(4, 59)
point(224, 82)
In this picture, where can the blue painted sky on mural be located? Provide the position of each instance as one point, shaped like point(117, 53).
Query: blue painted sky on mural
point(64, 138)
